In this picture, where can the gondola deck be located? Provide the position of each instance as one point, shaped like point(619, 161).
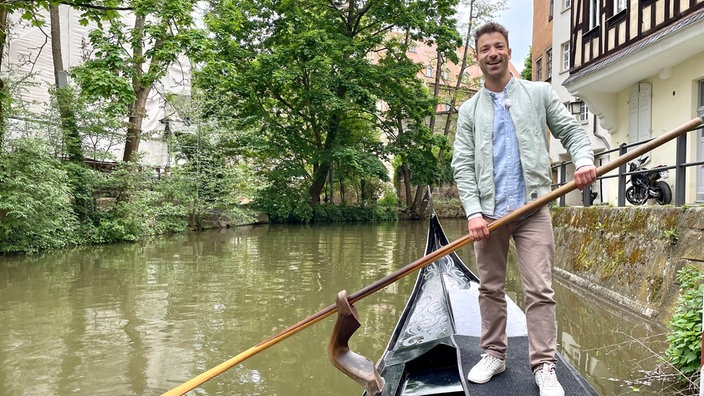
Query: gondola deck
point(436, 340)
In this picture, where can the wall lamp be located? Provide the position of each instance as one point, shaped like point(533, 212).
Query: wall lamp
point(576, 107)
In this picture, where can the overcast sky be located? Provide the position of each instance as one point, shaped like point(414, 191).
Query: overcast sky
point(518, 19)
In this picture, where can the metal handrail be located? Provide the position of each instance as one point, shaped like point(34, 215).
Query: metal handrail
point(679, 187)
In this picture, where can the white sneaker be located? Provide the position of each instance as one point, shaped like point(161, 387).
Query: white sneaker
point(546, 379)
point(486, 368)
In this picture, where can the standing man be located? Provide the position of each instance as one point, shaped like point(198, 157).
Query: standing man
point(500, 162)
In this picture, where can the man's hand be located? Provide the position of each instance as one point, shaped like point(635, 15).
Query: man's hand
point(585, 176)
point(478, 229)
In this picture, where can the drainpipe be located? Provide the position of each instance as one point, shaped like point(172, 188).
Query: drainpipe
point(601, 137)
point(595, 131)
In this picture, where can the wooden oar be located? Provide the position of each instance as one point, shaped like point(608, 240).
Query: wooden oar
point(425, 260)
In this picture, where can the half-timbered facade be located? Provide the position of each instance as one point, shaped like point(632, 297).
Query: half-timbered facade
point(639, 66)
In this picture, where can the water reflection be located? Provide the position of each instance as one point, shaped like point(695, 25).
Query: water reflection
point(612, 347)
point(138, 319)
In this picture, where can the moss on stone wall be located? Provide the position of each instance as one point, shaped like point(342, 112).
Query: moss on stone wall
point(634, 252)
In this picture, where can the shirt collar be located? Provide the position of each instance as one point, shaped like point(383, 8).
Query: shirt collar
point(488, 91)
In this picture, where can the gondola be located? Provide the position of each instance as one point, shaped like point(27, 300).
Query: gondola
point(436, 340)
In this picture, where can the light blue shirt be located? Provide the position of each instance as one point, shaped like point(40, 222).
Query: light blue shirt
point(508, 172)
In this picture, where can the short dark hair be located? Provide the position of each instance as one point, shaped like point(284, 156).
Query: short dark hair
point(490, 27)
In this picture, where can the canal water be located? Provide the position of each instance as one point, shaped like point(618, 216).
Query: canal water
point(139, 319)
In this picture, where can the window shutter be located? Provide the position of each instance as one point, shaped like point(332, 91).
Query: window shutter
point(639, 113)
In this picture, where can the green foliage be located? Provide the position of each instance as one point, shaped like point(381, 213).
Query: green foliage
point(307, 77)
point(135, 206)
point(389, 198)
point(418, 148)
point(284, 202)
point(370, 213)
point(119, 213)
point(163, 30)
point(35, 200)
point(213, 177)
point(527, 73)
point(671, 236)
point(685, 328)
point(127, 61)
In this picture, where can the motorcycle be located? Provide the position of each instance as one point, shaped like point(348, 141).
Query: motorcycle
point(648, 185)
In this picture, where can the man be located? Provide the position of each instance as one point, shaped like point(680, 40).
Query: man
point(501, 162)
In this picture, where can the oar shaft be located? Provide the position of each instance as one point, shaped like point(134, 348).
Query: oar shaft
point(425, 260)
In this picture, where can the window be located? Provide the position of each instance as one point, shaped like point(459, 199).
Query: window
point(619, 5)
point(429, 71)
point(593, 14)
point(583, 112)
point(446, 74)
point(565, 53)
point(566, 4)
point(539, 69)
point(413, 48)
point(548, 64)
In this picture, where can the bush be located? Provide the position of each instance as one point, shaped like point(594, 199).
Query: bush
point(685, 328)
point(35, 200)
point(370, 213)
point(284, 204)
point(138, 207)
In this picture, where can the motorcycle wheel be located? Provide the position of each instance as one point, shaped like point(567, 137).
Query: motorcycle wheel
point(664, 191)
point(634, 197)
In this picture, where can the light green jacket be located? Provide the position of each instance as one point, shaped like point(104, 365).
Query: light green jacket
point(535, 108)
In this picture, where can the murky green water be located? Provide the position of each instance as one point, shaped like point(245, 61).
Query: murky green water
point(139, 319)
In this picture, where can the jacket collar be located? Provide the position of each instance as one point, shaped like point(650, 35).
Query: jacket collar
point(506, 88)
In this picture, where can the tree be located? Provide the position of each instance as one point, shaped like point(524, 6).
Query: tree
point(132, 52)
point(3, 89)
point(527, 73)
point(476, 12)
point(308, 76)
point(441, 32)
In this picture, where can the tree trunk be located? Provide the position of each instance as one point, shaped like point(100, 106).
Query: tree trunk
point(134, 127)
point(138, 109)
point(458, 85)
point(406, 172)
point(423, 205)
point(436, 90)
point(69, 127)
point(81, 188)
point(3, 91)
point(417, 209)
point(324, 166)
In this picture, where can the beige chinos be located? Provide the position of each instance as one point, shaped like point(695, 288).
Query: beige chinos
point(534, 241)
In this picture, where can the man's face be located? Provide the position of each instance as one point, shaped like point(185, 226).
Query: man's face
point(493, 55)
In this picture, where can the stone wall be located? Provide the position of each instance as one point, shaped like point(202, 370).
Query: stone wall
point(629, 255)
